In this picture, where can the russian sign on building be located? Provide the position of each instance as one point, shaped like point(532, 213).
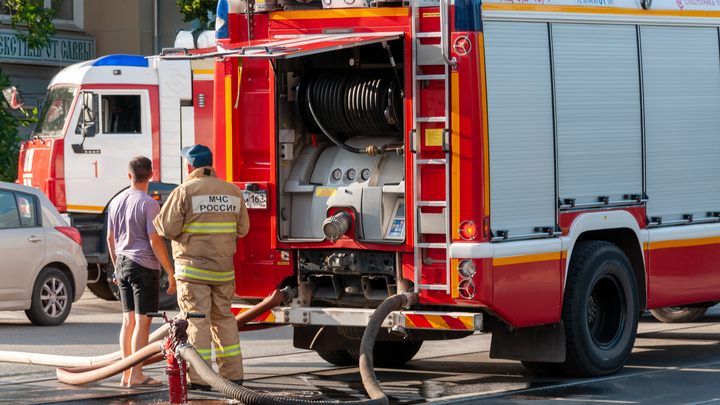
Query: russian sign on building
point(62, 50)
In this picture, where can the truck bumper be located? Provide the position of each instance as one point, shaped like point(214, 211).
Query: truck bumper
point(453, 321)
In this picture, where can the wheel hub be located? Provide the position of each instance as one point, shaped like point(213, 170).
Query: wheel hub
point(592, 310)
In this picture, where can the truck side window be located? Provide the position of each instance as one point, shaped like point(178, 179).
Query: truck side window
point(9, 217)
point(121, 114)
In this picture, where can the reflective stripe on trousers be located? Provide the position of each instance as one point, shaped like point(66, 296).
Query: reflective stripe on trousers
point(199, 274)
point(233, 350)
point(210, 227)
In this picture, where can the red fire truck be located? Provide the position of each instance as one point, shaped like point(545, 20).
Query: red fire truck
point(543, 170)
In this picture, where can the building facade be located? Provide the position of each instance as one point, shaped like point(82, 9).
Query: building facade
point(87, 29)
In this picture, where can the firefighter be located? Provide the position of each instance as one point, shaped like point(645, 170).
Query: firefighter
point(204, 217)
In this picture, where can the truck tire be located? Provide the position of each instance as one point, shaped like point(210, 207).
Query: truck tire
point(388, 353)
point(103, 288)
point(51, 300)
point(600, 310)
point(107, 290)
point(678, 314)
point(338, 357)
point(543, 368)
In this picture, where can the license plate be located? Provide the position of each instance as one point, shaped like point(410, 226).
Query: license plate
point(255, 200)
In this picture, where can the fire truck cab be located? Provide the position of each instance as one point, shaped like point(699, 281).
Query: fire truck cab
point(139, 107)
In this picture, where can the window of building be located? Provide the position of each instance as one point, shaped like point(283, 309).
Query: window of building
point(121, 114)
point(65, 8)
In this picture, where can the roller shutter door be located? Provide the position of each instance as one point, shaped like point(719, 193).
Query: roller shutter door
point(681, 79)
point(597, 86)
point(520, 120)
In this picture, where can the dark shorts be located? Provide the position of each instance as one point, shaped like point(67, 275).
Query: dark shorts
point(139, 286)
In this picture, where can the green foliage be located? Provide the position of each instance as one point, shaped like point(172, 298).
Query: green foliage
point(9, 139)
point(37, 20)
point(198, 10)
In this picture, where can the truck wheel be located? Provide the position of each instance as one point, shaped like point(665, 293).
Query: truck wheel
point(543, 368)
point(338, 357)
point(600, 310)
point(104, 289)
point(389, 353)
point(678, 314)
point(167, 301)
point(51, 298)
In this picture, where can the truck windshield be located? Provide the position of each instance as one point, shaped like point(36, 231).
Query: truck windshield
point(55, 112)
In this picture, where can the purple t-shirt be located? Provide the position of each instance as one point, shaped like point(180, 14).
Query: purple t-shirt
point(131, 216)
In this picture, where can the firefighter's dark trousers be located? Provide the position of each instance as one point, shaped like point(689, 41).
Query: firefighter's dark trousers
point(218, 326)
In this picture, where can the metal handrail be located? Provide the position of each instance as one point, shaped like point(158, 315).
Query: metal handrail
point(444, 38)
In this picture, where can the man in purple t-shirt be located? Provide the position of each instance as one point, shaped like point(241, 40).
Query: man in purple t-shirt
point(137, 251)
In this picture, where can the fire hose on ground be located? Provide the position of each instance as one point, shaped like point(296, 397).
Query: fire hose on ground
point(92, 363)
point(369, 379)
point(174, 350)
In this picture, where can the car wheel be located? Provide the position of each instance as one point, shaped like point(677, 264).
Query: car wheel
point(600, 310)
point(678, 314)
point(51, 298)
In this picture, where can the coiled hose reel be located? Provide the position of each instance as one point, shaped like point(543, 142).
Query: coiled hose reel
point(342, 102)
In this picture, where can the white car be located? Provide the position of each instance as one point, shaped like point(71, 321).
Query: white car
point(42, 266)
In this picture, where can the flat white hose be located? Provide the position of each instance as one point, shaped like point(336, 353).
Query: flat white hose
point(72, 361)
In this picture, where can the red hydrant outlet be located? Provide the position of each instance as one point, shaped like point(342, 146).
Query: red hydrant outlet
point(176, 367)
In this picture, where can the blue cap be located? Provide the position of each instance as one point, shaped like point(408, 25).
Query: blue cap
point(197, 155)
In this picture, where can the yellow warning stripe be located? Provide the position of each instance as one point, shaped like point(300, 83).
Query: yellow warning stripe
point(454, 276)
point(85, 208)
point(484, 112)
point(540, 257)
point(228, 131)
point(339, 13)
point(598, 10)
point(681, 243)
point(203, 72)
point(455, 144)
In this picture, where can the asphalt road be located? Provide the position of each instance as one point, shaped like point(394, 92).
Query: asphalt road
point(671, 364)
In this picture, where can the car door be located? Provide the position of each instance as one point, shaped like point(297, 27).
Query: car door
point(22, 244)
point(94, 176)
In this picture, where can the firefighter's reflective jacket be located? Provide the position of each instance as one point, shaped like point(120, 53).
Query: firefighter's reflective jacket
point(204, 217)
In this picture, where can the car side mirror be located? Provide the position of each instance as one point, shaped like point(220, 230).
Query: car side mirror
point(89, 112)
point(13, 98)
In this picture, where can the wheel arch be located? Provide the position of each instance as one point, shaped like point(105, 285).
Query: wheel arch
point(619, 228)
point(64, 269)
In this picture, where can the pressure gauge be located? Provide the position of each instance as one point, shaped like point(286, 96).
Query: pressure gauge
point(365, 174)
point(351, 174)
point(337, 174)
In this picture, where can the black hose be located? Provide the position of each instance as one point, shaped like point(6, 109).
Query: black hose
point(367, 370)
point(344, 102)
point(244, 395)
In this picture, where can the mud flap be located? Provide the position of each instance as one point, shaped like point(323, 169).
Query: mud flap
point(543, 343)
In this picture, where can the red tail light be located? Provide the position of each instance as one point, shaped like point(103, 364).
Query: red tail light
point(71, 233)
point(468, 230)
